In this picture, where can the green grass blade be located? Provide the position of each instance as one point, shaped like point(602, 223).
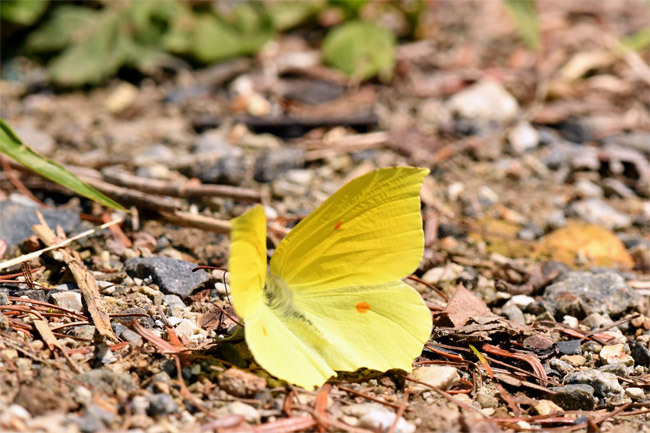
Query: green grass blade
point(524, 14)
point(14, 148)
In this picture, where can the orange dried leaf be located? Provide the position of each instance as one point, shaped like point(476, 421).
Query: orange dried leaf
point(597, 244)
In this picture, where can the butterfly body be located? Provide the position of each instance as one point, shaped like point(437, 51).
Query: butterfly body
point(332, 298)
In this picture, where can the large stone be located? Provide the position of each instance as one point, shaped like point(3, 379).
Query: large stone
point(18, 216)
point(574, 397)
point(173, 276)
point(582, 293)
point(604, 384)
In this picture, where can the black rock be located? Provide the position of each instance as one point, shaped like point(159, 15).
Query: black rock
point(17, 219)
point(582, 293)
point(161, 404)
point(574, 397)
point(571, 347)
point(273, 164)
point(641, 354)
point(174, 277)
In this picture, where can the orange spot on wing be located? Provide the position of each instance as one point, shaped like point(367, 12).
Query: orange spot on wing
point(363, 307)
point(338, 225)
point(266, 334)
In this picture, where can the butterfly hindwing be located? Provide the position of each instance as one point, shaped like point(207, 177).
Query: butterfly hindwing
point(379, 327)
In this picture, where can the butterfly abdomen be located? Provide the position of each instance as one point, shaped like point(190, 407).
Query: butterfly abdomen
point(279, 299)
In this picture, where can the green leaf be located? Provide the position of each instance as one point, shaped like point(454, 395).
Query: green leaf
point(13, 147)
point(212, 39)
point(287, 14)
point(524, 14)
point(351, 8)
point(96, 58)
point(22, 11)
point(361, 49)
point(67, 25)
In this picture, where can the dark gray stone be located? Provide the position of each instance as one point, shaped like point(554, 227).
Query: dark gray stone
point(162, 404)
point(34, 294)
point(641, 354)
point(275, 163)
point(174, 277)
point(131, 337)
point(604, 384)
point(106, 381)
point(618, 369)
point(574, 397)
point(571, 347)
point(17, 219)
point(227, 170)
point(582, 293)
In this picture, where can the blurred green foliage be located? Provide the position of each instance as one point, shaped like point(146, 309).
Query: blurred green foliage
point(88, 42)
point(21, 11)
point(361, 49)
point(637, 41)
point(524, 14)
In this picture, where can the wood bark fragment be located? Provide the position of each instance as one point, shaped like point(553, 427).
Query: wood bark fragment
point(203, 222)
point(186, 190)
point(85, 280)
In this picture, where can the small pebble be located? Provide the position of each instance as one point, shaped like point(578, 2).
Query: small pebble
point(68, 300)
point(241, 383)
point(614, 354)
point(249, 413)
point(574, 360)
point(440, 376)
point(635, 393)
point(547, 407)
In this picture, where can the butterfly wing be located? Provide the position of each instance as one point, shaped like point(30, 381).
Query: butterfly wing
point(368, 232)
point(283, 346)
point(247, 262)
point(380, 327)
point(333, 299)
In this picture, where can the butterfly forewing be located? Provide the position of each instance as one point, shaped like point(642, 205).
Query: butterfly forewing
point(368, 232)
point(247, 263)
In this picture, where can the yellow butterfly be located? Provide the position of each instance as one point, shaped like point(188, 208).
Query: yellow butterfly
point(332, 299)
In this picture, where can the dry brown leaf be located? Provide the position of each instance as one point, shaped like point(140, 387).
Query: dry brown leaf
point(464, 306)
